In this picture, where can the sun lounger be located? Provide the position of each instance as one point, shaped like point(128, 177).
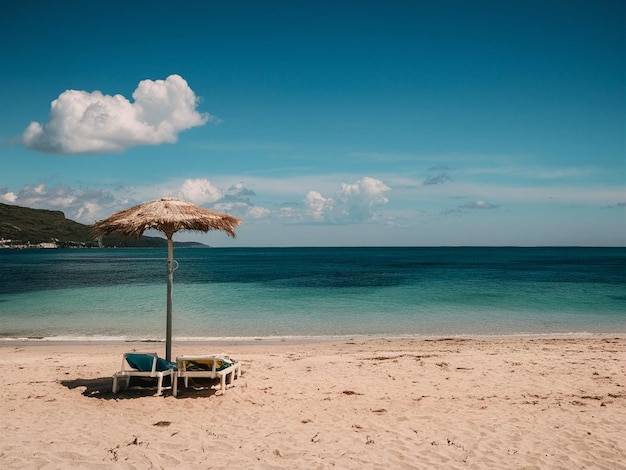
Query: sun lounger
point(144, 365)
point(210, 367)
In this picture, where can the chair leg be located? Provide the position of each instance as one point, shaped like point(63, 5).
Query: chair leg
point(175, 384)
point(223, 382)
point(120, 382)
point(159, 384)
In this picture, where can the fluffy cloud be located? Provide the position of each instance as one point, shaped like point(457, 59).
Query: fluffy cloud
point(199, 191)
point(317, 206)
point(356, 202)
point(235, 200)
point(6, 196)
point(84, 122)
point(77, 204)
point(242, 209)
point(255, 212)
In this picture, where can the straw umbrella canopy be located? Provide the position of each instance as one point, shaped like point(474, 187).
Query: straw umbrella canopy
point(168, 215)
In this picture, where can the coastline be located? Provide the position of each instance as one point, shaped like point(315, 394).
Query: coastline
point(298, 339)
point(520, 402)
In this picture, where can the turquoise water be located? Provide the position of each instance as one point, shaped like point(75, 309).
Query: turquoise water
point(239, 292)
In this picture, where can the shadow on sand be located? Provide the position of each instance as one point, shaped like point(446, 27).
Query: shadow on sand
point(140, 387)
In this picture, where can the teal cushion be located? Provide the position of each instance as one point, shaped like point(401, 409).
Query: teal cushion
point(162, 365)
point(143, 363)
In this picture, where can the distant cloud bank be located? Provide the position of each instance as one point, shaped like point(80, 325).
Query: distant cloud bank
point(355, 202)
point(82, 122)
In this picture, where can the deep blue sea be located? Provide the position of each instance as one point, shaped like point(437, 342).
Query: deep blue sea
point(260, 292)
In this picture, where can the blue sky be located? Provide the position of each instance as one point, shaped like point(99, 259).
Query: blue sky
point(324, 123)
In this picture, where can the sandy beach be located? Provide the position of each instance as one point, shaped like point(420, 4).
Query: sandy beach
point(517, 403)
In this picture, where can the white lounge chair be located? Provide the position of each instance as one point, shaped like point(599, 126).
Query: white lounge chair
point(144, 365)
point(210, 367)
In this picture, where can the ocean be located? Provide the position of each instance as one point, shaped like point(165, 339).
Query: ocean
point(293, 292)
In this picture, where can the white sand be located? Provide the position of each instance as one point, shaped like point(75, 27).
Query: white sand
point(350, 404)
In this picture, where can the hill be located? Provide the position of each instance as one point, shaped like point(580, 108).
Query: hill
point(23, 227)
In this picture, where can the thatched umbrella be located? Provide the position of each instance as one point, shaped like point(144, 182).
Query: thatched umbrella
point(169, 215)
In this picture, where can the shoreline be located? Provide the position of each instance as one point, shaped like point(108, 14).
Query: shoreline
point(303, 339)
point(352, 403)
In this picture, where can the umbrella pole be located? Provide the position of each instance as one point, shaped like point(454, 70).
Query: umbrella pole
point(170, 282)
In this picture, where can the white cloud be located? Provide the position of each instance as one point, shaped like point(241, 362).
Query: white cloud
point(83, 122)
point(356, 202)
point(199, 191)
point(255, 212)
point(8, 196)
point(244, 210)
point(235, 200)
point(318, 206)
point(82, 205)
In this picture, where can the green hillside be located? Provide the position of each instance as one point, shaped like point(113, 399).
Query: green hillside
point(23, 227)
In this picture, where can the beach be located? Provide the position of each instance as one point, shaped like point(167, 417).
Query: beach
point(483, 402)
